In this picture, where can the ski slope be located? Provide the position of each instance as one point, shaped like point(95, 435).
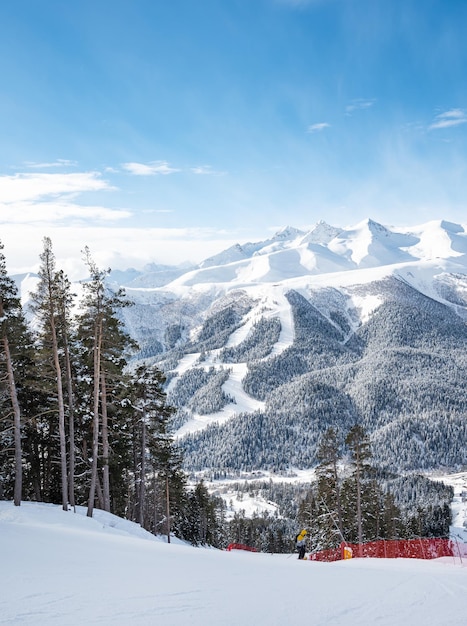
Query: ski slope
point(273, 302)
point(64, 568)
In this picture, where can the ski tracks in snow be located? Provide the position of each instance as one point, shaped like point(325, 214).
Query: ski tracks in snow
point(273, 304)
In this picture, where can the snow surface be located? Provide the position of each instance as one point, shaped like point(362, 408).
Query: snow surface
point(64, 568)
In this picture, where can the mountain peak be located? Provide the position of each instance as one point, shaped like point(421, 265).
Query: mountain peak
point(321, 233)
point(287, 233)
point(451, 227)
point(375, 228)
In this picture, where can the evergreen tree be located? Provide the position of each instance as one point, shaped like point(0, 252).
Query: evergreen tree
point(359, 445)
point(329, 453)
point(46, 307)
point(66, 334)
point(204, 518)
point(169, 482)
point(391, 523)
point(149, 432)
point(104, 349)
point(16, 342)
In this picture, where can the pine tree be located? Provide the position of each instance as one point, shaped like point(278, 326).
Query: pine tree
point(329, 453)
point(66, 338)
point(204, 518)
point(391, 522)
point(150, 416)
point(48, 300)
point(104, 349)
point(14, 333)
point(359, 445)
point(169, 480)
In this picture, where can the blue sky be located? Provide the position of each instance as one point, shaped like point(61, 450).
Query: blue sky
point(164, 131)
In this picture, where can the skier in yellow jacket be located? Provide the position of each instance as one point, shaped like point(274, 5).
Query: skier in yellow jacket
point(300, 543)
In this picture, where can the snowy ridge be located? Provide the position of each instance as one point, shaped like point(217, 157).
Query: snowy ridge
point(324, 249)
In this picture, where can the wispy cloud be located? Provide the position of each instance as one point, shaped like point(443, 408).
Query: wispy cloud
point(152, 168)
point(316, 128)
point(57, 163)
point(453, 117)
point(206, 170)
point(359, 104)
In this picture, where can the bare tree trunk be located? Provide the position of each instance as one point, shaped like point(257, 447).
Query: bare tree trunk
point(16, 423)
point(154, 489)
point(142, 483)
point(71, 426)
point(105, 445)
point(167, 505)
point(100, 496)
point(7, 287)
point(95, 420)
point(359, 502)
point(134, 490)
point(61, 416)
point(338, 498)
point(37, 463)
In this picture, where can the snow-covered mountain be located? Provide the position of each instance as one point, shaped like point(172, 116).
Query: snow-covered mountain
point(267, 344)
point(282, 338)
point(293, 253)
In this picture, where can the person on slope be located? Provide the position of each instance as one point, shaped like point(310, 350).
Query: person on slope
point(300, 543)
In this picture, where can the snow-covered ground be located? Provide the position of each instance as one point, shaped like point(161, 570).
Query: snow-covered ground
point(64, 568)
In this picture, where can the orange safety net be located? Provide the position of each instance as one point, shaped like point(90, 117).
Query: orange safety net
point(240, 546)
point(394, 549)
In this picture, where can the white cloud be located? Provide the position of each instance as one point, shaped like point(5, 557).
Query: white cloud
point(453, 117)
point(155, 168)
point(150, 169)
point(359, 104)
point(24, 187)
point(43, 198)
point(316, 128)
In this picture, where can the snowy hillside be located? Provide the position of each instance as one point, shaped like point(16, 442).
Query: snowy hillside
point(64, 568)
